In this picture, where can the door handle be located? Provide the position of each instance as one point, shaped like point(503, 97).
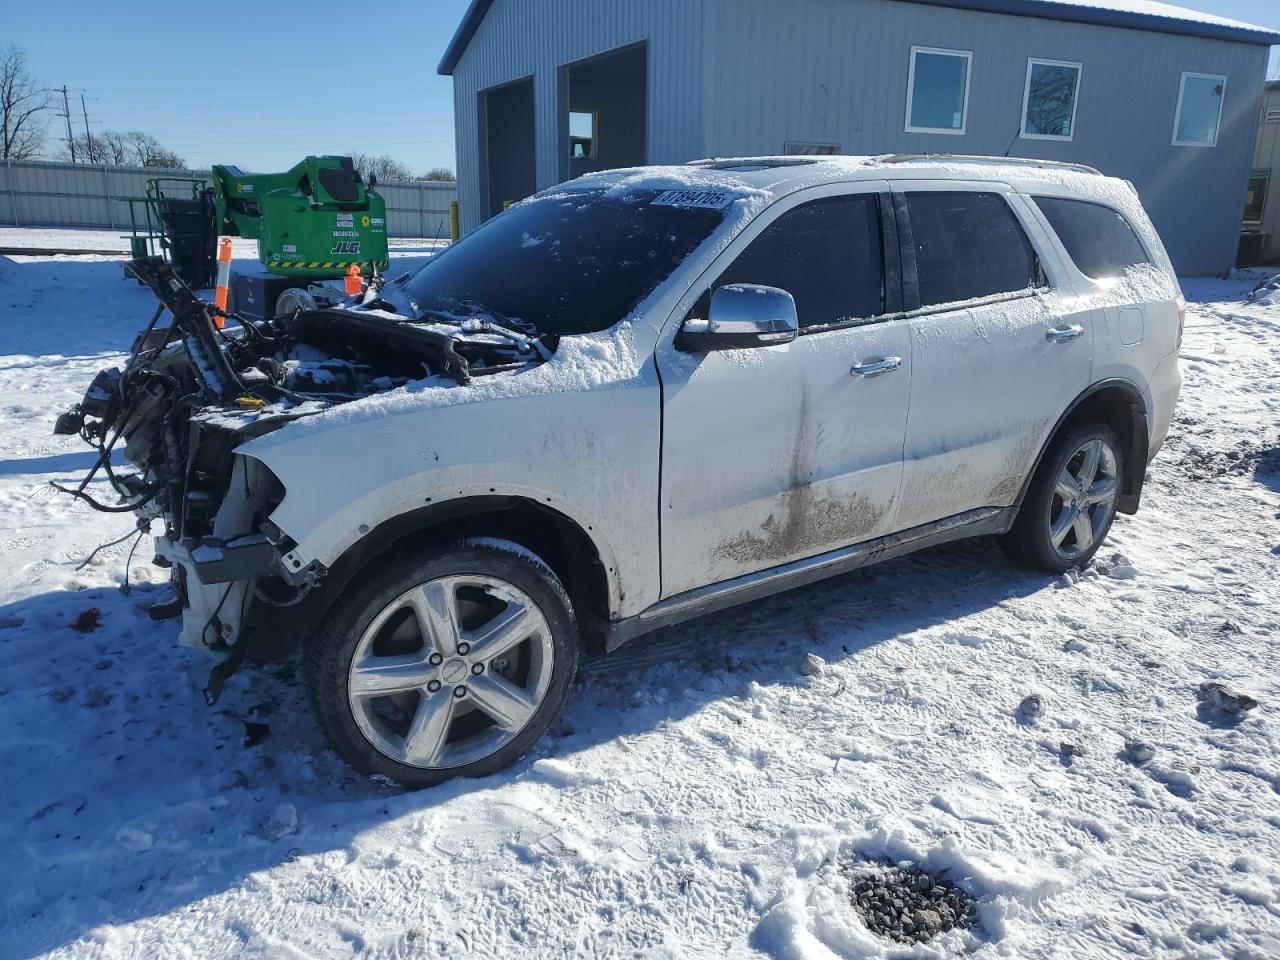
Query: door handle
point(1061, 334)
point(873, 367)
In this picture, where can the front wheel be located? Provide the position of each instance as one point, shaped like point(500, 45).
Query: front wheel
point(1071, 503)
point(451, 665)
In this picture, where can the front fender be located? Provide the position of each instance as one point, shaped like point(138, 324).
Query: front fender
point(591, 455)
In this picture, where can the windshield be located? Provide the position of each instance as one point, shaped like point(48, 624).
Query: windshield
point(571, 262)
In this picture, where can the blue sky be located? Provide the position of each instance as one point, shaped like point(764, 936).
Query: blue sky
point(263, 84)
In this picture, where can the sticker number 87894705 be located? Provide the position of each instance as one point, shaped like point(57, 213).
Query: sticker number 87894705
point(709, 199)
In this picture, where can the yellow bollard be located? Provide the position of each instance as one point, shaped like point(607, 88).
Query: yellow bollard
point(224, 280)
point(454, 230)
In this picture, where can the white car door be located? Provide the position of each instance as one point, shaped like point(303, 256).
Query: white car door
point(771, 454)
point(1001, 345)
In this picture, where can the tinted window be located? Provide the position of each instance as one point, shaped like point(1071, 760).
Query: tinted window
point(569, 262)
point(968, 245)
point(1099, 240)
point(827, 254)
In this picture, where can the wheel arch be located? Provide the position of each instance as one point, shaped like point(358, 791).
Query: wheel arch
point(1119, 404)
point(570, 551)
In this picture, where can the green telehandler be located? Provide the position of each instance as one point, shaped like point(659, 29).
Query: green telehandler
point(312, 222)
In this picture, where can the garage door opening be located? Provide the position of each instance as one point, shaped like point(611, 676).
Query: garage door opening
point(507, 136)
point(607, 112)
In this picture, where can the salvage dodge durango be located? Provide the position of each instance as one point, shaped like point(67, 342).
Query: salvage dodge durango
point(629, 400)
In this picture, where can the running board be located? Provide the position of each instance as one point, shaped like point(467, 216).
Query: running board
point(799, 573)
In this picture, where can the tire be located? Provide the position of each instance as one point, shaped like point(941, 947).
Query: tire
point(292, 300)
point(397, 687)
point(1048, 533)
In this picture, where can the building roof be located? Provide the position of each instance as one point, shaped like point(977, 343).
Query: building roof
point(1133, 14)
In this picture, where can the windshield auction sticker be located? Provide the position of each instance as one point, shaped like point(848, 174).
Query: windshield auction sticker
point(709, 199)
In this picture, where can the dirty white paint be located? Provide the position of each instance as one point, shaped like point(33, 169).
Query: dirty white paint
point(766, 455)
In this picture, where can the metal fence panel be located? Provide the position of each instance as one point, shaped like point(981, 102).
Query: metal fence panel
point(53, 194)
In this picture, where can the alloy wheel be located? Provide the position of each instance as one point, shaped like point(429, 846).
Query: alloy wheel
point(1084, 499)
point(450, 671)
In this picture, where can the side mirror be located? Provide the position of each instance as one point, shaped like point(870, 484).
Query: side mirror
point(742, 315)
point(373, 180)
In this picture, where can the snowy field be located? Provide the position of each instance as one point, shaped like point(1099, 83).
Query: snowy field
point(701, 797)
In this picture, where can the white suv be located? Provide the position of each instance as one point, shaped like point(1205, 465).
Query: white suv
point(634, 399)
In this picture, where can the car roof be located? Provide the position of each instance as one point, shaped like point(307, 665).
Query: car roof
point(767, 178)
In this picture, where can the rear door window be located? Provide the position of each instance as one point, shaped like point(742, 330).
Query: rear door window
point(826, 253)
point(967, 246)
point(1100, 240)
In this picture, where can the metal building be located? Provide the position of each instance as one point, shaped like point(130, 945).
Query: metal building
point(545, 90)
point(1260, 240)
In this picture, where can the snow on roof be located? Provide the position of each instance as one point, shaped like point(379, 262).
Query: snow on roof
point(1154, 8)
point(760, 179)
point(757, 181)
point(1133, 14)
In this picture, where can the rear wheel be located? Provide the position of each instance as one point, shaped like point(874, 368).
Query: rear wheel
point(1071, 503)
point(453, 665)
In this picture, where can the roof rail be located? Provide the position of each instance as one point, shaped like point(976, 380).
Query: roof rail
point(1013, 161)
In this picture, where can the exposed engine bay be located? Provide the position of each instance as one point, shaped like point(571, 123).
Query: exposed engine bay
point(191, 392)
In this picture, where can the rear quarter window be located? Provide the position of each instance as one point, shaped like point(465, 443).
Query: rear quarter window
point(1100, 240)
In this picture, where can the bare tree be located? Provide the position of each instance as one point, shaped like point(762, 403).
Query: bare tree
point(439, 174)
point(135, 148)
point(146, 151)
point(21, 104)
point(383, 167)
point(108, 146)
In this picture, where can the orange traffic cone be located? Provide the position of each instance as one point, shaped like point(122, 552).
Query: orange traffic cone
point(354, 282)
point(224, 280)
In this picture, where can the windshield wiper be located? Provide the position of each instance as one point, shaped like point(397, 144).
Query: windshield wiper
point(520, 332)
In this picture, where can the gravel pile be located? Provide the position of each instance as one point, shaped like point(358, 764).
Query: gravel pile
point(906, 903)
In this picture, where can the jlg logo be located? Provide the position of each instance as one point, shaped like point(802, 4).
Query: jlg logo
point(346, 247)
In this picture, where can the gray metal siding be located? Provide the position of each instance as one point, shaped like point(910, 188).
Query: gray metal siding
point(835, 71)
point(38, 193)
point(1267, 157)
point(535, 38)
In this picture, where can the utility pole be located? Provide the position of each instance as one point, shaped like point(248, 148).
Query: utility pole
point(66, 114)
point(88, 137)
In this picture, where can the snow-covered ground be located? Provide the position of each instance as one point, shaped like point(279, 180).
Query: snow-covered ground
point(701, 797)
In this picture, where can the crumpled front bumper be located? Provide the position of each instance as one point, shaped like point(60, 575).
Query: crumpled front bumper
point(212, 612)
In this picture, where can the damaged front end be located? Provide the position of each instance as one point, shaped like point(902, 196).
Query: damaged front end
point(191, 393)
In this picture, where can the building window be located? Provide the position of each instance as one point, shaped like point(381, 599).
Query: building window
point(811, 149)
point(1049, 103)
point(938, 90)
point(582, 135)
point(1255, 201)
point(1199, 110)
